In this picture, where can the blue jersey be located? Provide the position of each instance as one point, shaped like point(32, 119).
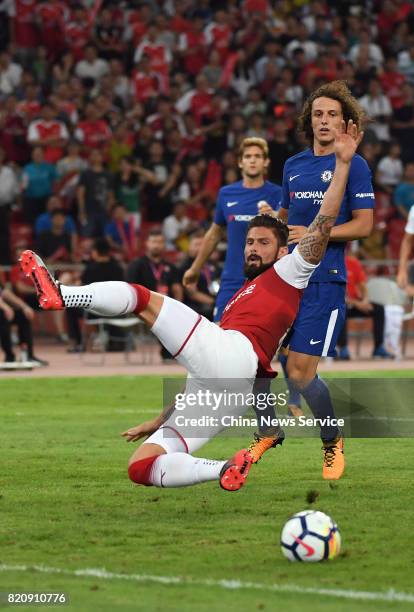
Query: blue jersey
point(306, 177)
point(236, 206)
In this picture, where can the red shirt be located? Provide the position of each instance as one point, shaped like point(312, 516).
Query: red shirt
point(263, 310)
point(145, 86)
point(93, 134)
point(25, 32)
point(29, 108)
point(355, 277)
point(13, 139)
point(77, 37)
point(219, 36)
point(195, 60)
point(43, 130)
point(392, 83)
point(201, 106)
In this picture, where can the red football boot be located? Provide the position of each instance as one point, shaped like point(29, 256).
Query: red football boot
point(47, 288)
point(234, 472)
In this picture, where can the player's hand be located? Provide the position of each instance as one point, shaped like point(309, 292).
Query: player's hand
point(296, 232)
point(347, 140)
point(265, 209)
point(190, 277)
point(141, 431)
point(402, 279)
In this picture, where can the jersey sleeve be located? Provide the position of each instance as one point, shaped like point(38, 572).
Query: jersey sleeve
point(295, 270)
point(219, 217)
point(359, 189)
point(409, 228)
point(285, 201)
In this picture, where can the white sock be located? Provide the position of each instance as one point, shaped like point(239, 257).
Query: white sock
point(182, 470)
point(110, 298)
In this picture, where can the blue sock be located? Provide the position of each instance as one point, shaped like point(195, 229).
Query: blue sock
point(319, 401)
point(294, 395)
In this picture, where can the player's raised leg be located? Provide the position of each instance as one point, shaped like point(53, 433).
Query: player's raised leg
point(156, 462)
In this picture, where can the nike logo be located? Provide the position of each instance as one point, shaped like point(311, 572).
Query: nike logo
point(310, 550)
point(315, 341)
point(230, 204)
point(293, 177)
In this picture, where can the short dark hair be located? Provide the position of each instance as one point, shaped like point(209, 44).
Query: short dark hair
point(278, 227)
point(102, 246)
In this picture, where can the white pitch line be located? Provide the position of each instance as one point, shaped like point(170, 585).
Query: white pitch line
point(103, 574)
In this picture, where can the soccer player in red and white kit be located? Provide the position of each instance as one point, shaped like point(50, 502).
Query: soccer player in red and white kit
point(253, 324)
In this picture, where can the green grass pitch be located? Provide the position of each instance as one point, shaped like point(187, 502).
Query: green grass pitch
point(66, 503)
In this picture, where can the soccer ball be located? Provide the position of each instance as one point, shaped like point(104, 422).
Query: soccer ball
point(310, 536)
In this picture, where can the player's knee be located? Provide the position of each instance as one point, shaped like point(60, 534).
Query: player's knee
point(140, 471)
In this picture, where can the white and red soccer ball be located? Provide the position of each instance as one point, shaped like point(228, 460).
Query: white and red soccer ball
point(310, 536)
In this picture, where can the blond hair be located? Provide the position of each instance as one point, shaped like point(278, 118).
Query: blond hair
point(254, 142)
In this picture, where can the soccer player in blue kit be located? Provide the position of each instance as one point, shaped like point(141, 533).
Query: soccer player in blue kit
point(236, 205)
point(321, 315)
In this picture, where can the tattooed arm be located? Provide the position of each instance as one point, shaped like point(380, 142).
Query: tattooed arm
point(313, 244)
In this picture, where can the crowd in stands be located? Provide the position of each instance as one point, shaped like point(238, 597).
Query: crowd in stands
point(118, 117)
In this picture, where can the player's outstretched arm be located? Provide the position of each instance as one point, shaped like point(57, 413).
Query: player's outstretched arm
point(313, 244)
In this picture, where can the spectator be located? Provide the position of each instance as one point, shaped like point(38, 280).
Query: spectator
point(213, 69)
point(272, 56)
point(38, 179)
point(127, 190)
point(72, 163)
point(200, 297)
point(406, 62)
point(390, 168)
point(365, 44)
point(301, 41)
point(158, 178)
point(10, 74)
point(378, 108)
point(93, 132)
point(392, 81)
point(48, 133)
point(155, 273)
point(404, 193)
point(55, 245)
point(403, 122)
point(120, 232)
point(9, 192)
point(145, 82)
point(120, 146)
point(101, 267)
point(176, 227)
point(192, 47)
point(13, 133)
point(358, 305)
point(108, 36)
point(91, 68)
point(95, 196)
point(13, 310)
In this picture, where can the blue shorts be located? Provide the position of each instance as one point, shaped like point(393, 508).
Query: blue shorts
point(226, 292)
point(320, 319)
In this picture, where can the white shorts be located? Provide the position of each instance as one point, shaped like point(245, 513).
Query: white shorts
point(218, 362)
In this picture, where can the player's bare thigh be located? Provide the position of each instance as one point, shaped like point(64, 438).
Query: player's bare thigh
point(146, 450)
point(150, 314)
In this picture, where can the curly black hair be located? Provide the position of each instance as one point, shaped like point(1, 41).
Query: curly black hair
point(336, 90)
